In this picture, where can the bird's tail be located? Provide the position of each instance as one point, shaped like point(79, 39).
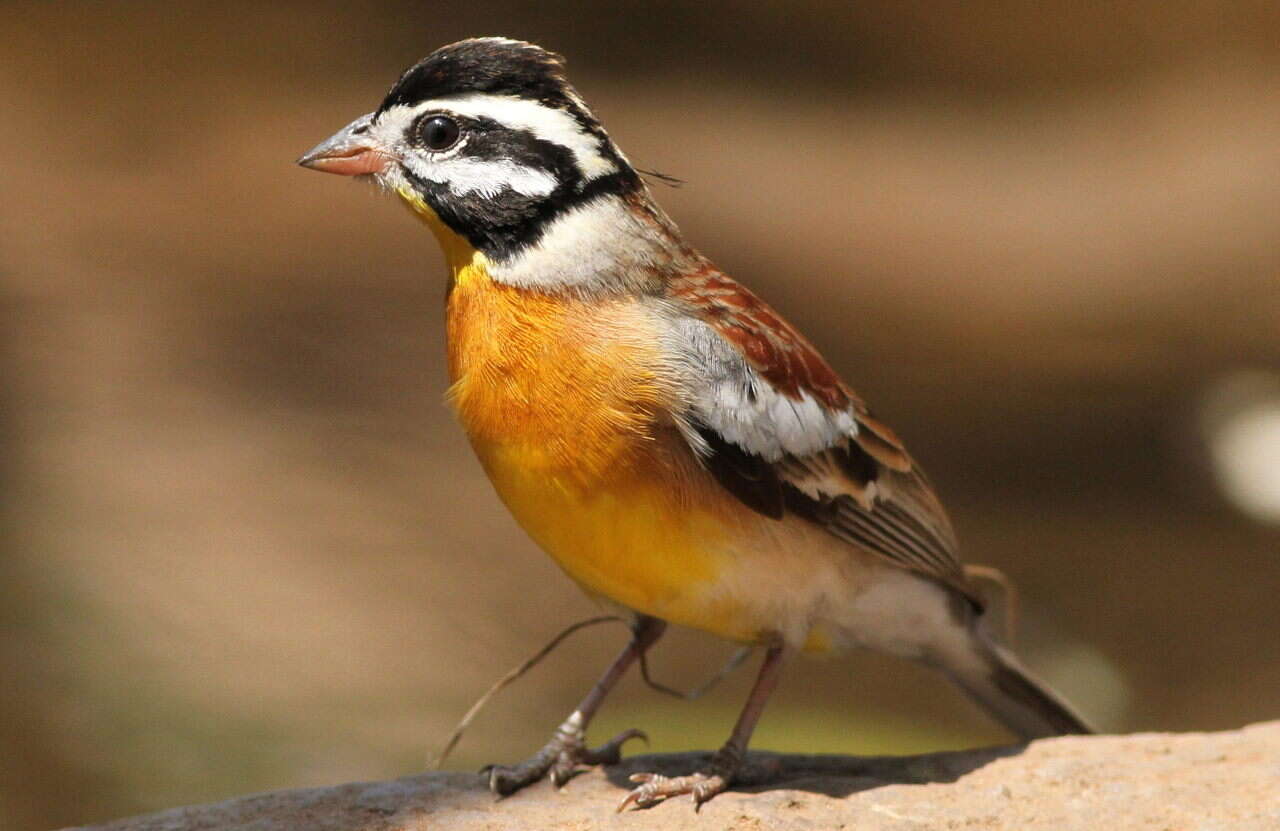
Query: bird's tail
point(995, 679)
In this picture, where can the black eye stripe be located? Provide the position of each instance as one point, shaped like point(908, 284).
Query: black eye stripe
point(491, 140)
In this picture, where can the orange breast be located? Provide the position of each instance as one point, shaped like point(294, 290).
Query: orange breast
point(563, 401)
point(573, 383)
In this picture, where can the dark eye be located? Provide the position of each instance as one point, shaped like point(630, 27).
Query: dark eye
point(439, 132)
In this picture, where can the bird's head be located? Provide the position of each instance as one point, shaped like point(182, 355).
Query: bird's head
point(488, 141)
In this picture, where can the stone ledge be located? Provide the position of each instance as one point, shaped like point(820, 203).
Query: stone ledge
point(1154, 781)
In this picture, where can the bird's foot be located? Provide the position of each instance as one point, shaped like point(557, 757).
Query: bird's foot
point(703, 785)
point(560, 758)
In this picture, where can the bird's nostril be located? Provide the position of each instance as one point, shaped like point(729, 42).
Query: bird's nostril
point(361, 130)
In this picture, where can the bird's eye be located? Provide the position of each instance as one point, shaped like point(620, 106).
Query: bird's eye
point(439, 132)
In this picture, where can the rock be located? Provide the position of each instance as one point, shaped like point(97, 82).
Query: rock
point(1156, 782)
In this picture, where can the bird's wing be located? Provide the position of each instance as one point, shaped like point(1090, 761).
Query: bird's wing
point(780, 430)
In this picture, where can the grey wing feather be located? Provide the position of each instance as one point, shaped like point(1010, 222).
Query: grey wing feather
point(780, 455)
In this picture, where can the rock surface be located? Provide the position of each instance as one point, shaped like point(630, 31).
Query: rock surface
point(1155, 782)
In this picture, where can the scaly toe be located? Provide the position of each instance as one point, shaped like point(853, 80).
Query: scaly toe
point(646, 794)
point(655, 788)
point(706, 789)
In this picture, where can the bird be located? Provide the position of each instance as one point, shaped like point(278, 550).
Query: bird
point(680, 450)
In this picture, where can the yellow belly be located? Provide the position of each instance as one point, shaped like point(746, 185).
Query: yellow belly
point(629, 539)
point(662, 538)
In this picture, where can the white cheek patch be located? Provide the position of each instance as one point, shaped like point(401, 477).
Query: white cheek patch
point(597, 244)
point(486, 177)
point(547, 123)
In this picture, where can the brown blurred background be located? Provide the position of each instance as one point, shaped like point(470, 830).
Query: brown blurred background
point(243, 545)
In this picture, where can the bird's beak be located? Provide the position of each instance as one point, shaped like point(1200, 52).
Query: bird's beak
point(351, 151)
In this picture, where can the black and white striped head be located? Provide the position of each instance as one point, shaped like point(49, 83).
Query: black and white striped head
point(489, 137)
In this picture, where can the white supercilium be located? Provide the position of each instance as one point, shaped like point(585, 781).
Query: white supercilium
point(547, 123)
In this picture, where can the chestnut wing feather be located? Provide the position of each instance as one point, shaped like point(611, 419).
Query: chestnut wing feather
point(780, 431)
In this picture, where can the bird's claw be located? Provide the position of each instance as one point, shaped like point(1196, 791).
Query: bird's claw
point(560, 760)
point(654, 788)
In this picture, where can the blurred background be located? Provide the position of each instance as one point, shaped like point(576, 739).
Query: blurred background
point(243, 545)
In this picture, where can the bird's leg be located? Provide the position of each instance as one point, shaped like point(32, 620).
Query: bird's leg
point(727, 761)
point(568, 749)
